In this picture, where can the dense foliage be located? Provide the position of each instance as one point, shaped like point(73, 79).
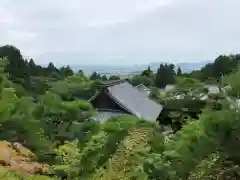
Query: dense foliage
point(46, 110)
point(165, 75)
point(223, 65)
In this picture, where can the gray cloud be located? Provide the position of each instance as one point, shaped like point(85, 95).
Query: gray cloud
point(121, 31)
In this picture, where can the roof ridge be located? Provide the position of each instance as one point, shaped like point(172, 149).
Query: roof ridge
point(120, 103)
point(141, 85)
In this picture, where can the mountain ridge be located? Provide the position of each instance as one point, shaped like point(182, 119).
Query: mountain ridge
point(129, 69)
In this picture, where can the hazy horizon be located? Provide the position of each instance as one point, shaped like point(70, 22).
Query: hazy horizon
point(121, 32)
point(115, 65)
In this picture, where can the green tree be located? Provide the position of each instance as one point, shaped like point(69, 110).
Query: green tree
point(147, 81)
point(95, 76)
point(154, 94)
point(80, 72)
point(51, 67)
point(179, 71)
point(104, 78)
point(165, 75)
point(66, 71)
point(59, 117)
point(232, 84)
point(32, 68)
point(73, 87)
point(67, 160)
point(16, 66)
point(189, 86)
point(136, 80)
point(160, 77)
point(223, 65)
point(18, 124)
point(148, 72)
point(114, 77)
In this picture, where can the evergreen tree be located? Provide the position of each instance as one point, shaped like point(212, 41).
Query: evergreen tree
point(114, 77)
point(104, 78)
point(159, 81)
point(51, 66)
point(32, 68)
point(179, 71)
point(170, 71)
point(148, 72)
point(165, 75)
point(66, 71)
point(95, 76)
point(223, 65)
point(16, 67)
point(80, 72)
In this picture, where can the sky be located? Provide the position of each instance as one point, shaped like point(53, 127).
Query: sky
point(120, 32)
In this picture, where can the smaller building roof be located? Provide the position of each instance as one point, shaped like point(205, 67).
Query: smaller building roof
point(169, 87)
point(213, 89)
point(104, 115)
point(142, 86)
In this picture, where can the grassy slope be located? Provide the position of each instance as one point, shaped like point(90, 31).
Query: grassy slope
point(128, 157)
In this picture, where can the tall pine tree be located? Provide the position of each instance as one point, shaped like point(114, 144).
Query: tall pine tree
point(16, 66)
point(179, 71)
point(165, 75)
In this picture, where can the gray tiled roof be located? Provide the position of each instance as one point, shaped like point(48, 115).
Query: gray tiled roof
point(135, 101)
point(143, 89)
point(142, 86)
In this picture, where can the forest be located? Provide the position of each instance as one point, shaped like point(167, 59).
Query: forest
point(47, 131)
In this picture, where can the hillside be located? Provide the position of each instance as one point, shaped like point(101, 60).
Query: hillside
point(48, 130)
point(129, 155)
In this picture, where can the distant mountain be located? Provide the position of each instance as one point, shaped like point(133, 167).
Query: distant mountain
point(135, 69)
point(107, 69)
point(185, 66)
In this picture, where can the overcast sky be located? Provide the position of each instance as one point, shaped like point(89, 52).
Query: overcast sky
point(121, 31)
